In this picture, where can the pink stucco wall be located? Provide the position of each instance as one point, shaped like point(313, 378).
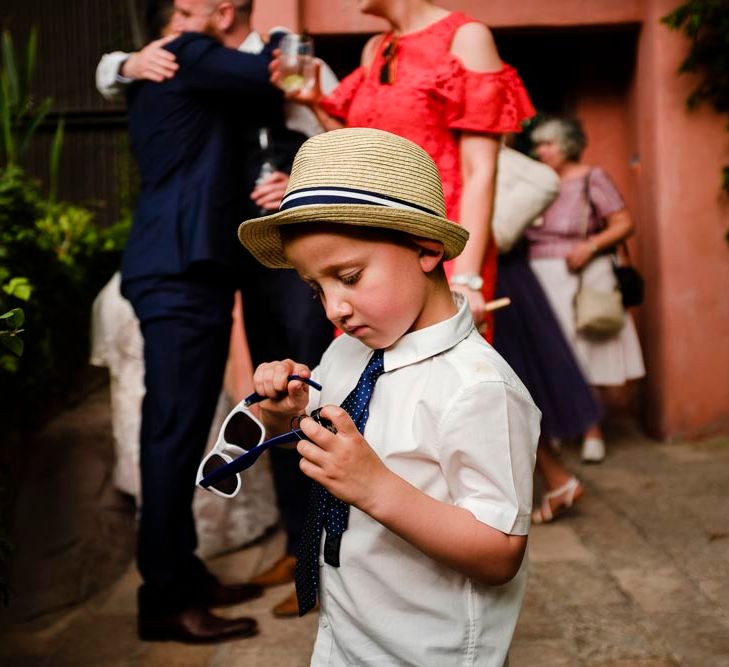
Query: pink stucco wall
point(687, 316)
point(667, 163)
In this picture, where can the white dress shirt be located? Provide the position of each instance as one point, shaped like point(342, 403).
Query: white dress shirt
point(450, 417)
point(298, 117)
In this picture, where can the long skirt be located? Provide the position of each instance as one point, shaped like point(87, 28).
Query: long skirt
point(529, 337)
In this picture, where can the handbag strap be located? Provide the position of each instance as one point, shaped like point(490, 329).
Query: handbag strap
point(591, 209)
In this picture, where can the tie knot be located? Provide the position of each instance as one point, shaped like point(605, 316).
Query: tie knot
point(375, 366)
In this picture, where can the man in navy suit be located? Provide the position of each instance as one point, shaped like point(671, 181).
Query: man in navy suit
point(195, 138)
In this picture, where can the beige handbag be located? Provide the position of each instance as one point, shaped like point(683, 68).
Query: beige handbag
point(598, 313)
point(524, 189)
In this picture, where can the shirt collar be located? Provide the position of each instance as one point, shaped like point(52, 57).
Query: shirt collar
point(252, 44)
point(432, 340)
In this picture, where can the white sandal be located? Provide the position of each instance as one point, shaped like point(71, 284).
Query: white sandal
point(569, 490)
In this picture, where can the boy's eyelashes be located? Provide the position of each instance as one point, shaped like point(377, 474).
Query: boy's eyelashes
point(347, 279)
point(350, 278)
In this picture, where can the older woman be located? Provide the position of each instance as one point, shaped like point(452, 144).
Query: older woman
point(586, 222)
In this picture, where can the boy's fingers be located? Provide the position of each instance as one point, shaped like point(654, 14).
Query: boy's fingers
point(311, 452)
point(281, 376)
point(340, 419)
point(320, 436)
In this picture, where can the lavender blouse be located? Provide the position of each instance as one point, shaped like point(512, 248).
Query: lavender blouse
point(571, 215)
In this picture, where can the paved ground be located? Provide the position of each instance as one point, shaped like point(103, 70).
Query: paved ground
point(637, 575)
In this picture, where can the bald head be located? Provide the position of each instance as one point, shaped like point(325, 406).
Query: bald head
point(226, 20)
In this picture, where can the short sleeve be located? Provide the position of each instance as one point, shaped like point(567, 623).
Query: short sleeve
point(337, 104)
point(495, 102)
point(604, 196)
point(487, 447)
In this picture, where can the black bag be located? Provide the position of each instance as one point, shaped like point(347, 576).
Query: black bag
point(630, 284)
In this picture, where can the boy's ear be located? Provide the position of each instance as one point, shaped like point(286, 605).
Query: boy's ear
point(430, 252)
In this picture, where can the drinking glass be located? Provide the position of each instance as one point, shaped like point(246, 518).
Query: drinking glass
point(296, 62)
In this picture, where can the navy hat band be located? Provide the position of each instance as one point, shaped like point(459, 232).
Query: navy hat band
point(339, 195)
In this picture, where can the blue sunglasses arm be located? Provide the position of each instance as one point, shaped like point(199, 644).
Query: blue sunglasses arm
point(257, 398)
point(246, 460)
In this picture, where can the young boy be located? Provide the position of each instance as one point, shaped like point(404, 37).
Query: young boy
point(428, 568)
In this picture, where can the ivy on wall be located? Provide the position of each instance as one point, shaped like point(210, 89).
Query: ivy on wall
point(706, 24)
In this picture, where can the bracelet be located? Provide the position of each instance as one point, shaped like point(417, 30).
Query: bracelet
point(472, 281)
point(593, 246)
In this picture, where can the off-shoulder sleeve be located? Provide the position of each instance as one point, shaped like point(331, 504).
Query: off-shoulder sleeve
point(484, 101)
point(337, 104)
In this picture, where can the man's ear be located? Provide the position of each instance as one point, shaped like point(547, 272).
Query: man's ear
point(226, 16)
point(430, 252)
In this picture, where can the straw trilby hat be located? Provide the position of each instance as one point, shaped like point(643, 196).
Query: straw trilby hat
point(361, 178)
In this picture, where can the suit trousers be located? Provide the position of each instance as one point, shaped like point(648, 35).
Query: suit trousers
point(284, 320)
point(185, 322)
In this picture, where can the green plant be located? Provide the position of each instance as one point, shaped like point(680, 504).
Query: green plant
point(67, 259)
point(706, 24)
point(20, 114)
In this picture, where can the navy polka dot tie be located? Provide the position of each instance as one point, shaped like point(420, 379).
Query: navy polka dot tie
point(324, 509)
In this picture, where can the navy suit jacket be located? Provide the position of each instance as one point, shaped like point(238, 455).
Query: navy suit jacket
point(194, 138)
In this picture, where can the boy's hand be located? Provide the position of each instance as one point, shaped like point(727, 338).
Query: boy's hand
point(284, 398)
point(342, 462)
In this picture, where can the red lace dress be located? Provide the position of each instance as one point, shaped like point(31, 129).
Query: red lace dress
point(431, 98)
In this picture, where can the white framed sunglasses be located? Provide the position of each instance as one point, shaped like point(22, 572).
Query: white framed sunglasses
point(240, 442)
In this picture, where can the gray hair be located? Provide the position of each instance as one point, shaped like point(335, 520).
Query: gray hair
point(567, 133)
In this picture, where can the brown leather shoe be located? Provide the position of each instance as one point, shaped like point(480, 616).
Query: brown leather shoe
point(289, 607)
point(281, 572)
point(194, 625)
point(217, 594)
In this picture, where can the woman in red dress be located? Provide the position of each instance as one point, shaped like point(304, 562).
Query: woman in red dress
point(436, 78)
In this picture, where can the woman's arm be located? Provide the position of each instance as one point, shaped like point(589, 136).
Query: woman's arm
point(619, 226)
point(478, 155)
point(474, 45)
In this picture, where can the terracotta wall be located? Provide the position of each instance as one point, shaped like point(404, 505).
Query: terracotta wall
point(342, 16)
point(686, 323)
point(667, 163)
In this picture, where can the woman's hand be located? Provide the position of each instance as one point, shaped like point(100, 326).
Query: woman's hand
point(342, 462)
point(580, 255)
point(270, 192)
point(309, 95)
point(476, 302)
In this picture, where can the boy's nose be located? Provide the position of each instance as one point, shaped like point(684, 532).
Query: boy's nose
point(338, 310)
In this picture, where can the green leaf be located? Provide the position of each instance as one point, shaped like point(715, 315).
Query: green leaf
point(13, 343)
point(39, 115)
point(14, 317)
point(55, 160)
point(9, 68)
point(20, 288)
point(31, 51)
point(7, 122)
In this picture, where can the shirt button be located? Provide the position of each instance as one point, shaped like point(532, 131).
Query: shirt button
point(324, 623)
point(321, 561)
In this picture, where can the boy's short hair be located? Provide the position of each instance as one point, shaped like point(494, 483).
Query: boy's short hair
point(358, 177)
